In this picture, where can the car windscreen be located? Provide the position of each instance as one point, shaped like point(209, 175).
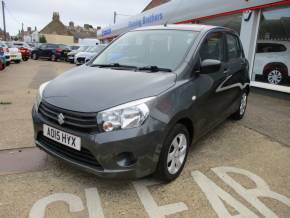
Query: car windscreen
point(83, 48)
point(52, 46)
point(74, 47)
point(94, 49)
point(161, 48)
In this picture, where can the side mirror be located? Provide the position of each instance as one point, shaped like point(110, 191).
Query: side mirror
point(210, 66)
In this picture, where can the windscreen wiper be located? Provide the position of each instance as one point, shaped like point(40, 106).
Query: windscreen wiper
point(113, 65)
point(154, 69)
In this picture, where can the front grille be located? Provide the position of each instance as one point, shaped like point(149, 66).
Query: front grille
point(81, 60)
point(83, 122)
point(84, 156)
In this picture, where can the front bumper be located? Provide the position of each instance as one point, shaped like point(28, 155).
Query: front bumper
point(125, 154)
point(80, 60)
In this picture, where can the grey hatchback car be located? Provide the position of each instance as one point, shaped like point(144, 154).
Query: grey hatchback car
point(135, 109)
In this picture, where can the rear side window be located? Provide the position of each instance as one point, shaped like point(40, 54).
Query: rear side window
point(233, 47)
point(212, 48)
point(270, 47)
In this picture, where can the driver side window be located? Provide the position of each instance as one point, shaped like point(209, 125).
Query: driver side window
point(212, 47)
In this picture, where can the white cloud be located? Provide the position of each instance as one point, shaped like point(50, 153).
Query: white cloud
point(95, 12)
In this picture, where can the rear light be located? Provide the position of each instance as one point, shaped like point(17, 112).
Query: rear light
point(58, 50)
point(22, 49)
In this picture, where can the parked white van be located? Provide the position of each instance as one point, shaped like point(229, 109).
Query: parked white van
point(89, 42)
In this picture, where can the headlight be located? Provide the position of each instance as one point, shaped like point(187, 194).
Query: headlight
point(39, 94)
point(126, 116)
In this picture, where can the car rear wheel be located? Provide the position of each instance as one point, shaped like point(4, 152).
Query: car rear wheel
point(34, 56)
point(240, 113)
point(53, 58)
point(275, 76)
point(174, 153)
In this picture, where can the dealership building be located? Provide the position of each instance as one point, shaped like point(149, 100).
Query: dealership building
point(263, 25)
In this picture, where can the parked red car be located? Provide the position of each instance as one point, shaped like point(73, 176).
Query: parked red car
point(25, 52)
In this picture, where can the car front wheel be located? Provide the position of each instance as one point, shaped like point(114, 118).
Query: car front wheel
point(174, 153)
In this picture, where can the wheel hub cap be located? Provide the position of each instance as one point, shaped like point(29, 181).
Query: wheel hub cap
point(275, 77)
point(176, 153)
point(243, 104)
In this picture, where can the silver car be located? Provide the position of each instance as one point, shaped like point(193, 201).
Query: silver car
point(92, 51)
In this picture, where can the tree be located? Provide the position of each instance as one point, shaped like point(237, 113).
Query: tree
point(42, 39)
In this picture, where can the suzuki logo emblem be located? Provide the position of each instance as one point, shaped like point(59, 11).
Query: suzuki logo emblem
point(60, 119)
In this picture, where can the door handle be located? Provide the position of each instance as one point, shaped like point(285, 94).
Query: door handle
point(226, 71)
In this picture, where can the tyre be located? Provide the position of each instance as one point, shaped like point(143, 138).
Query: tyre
point(2, 66)
point(240, 113)
point(7, 63)
point(53, 57)
point(173, 154)
point(34, 56)
point(25, 59)
point(17, 61)
point(275, 75)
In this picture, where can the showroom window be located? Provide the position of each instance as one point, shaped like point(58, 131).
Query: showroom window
point(233, 21)
point(272, 58)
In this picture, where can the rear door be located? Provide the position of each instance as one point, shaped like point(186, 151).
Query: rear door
point(236, 72)
point(42, 50)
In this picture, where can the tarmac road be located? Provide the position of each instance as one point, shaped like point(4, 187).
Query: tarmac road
point(239, 168)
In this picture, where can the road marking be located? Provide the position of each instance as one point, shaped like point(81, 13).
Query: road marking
point(150, 205)
point(74, 202)
point(251, 195)
point(214, 193)
point(94, 203)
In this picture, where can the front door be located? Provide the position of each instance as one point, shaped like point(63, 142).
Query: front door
point(210, 102)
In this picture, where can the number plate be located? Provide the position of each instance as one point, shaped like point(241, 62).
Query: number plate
point(63, 138)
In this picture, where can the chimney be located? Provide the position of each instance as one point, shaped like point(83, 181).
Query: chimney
point(55, 16)
point(71, 24)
